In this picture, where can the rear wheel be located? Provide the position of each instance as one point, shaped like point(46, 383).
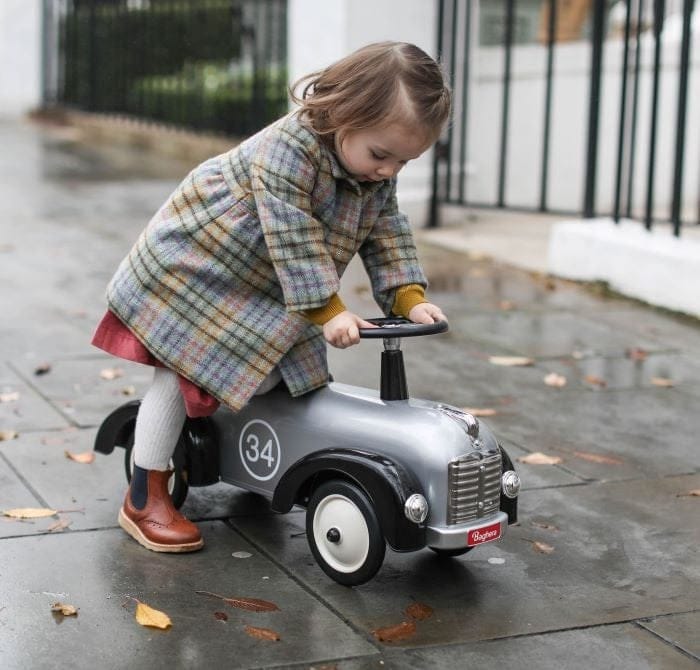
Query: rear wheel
point(177, 484)
point(344, 533)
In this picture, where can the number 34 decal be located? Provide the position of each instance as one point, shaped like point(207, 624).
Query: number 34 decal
point(259, 449)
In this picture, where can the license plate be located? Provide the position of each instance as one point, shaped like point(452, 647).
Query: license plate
point(484, 534)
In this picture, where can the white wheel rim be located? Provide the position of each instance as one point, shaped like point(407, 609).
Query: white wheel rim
point(171, 479)
point(350, 552)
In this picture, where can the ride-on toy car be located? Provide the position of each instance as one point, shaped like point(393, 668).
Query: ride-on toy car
point(370, 467)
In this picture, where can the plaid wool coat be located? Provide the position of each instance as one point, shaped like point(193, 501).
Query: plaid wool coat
point(216, 285)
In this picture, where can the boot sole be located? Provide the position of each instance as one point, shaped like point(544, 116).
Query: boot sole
point(132, 529)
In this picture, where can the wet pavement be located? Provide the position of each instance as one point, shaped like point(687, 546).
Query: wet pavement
point(603, 570)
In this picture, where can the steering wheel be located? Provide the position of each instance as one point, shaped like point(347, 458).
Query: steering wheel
point(400, 327)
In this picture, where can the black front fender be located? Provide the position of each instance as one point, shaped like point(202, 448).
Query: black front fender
point(386, 483)
point(117, 427)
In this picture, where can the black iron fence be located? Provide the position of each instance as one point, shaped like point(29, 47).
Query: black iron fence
point(211, 65)
point(581, 107)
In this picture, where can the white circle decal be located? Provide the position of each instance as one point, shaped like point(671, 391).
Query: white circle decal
point(259, 449)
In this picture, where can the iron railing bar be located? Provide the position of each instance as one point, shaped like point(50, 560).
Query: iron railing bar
point(509, 19)
point(634, 110)
point(433, 214)
point(594, 107)
point(544, 177)
point(659, 10)
point(623, 114)
point(465, 104)
point(450, 128)
point(681, 119)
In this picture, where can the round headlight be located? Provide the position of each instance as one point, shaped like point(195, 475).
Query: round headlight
point(510, 483)
point(416, 508)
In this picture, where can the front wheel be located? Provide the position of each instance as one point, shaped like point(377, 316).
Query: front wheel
point(177, 484)
point(344, 534)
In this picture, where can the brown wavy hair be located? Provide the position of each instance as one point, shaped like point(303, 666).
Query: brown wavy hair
point(376, 85)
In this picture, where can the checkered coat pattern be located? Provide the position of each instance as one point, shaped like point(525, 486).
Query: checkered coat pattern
point(217, 283)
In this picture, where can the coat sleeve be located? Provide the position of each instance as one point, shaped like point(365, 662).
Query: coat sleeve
point(283, 174)
point(389, 254)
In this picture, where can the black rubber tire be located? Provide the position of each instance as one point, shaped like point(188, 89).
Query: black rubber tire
point(177, 484)
point(375, 538)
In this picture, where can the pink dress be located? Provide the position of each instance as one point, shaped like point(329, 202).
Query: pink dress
point(115, 338)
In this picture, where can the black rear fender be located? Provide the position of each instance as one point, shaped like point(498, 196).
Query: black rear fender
point(117, 427)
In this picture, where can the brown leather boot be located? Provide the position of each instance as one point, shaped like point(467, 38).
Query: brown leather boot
point(159, 526)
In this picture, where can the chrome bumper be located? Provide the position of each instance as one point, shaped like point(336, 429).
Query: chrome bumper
point(455, 537)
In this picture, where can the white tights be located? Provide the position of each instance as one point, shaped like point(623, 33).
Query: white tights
point(162, 416)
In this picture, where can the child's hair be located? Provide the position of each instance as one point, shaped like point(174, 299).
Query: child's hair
point(376, 85)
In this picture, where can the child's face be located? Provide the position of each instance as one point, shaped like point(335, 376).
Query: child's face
point(374, 154)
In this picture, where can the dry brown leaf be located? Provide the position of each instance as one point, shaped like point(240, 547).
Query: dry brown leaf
point(663, 382)
point(511, 361)
point(263, 633)
point(84, 457)
point(29, 512)
point(419, 611)
point(542, 547)
point(506, 305)
point(153, 618)
point(555, 380)
point(42, 369)
point(597, 458)
point(480, 411)
point(221, 616)
point(693, 492)
point(637, 354)
point(250, 604)
point(111, 373)
point(594, 380)
point(538, 458)
point(7, 435)
point(128, 390)
point(66, 610)
point(59, 525)
point(402, 631)
point(9, 396)
point(544, 526)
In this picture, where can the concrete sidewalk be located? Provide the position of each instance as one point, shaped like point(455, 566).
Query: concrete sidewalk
point(602, 572)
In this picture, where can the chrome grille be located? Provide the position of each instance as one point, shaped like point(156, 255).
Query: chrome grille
point(474, 486)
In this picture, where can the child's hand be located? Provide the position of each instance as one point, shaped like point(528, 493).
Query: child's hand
point(342, 330)
point(426, 312)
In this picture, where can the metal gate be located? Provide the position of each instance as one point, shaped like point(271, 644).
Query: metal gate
point(626, 141)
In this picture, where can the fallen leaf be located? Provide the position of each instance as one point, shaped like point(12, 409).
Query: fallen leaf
point(42, 369)
point(263, 633)
point(538, 458)
point(419, 611)
point(506, 305)
point(7, 435)
point(637, 354)
point(594, 380)
point(250, 604)
point(694, 492)
point(147, 616)
point(59, 525)
point(9, 396)
point(542, 547)
point(221, 616)
point(544, 526)
point(241, 554)
point(663, 382)
point(66, 610)
point(480, 411)
point(29, 512)
point(511, 361)
point(597, 458)
point(84, 457)
point(553, 379)
point(128, 390)
point(402, 631)
point(111, 373)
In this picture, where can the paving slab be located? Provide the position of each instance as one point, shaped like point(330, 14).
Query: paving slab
point(103, 571)
point(14, 493)
point(623, 647)
point(680, 630)
point(620, 552)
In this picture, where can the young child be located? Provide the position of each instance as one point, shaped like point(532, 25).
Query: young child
point(233, 285)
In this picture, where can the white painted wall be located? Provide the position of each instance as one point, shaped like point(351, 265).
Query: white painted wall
point(320, 33)
point(20, 55)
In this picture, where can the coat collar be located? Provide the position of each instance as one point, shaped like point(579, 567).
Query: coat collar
point(339, 172)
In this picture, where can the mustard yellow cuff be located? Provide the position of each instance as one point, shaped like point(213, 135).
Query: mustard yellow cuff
point(407, 297)
point(321, 315)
